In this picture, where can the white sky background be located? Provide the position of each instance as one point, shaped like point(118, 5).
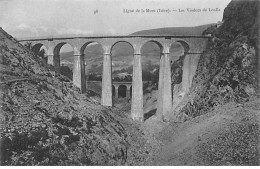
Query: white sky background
point(29, 18)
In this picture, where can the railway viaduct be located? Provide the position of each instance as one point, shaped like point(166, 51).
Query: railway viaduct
point(119, 89)
point(193, 47)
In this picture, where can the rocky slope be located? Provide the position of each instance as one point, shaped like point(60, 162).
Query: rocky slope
point(228, 135)
point(217, 122)
point(45, 120)
point(227, 71)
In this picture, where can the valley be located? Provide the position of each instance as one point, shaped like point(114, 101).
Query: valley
point(201, 109)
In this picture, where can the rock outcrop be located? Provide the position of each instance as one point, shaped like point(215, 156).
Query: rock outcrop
point(227, 71)
point(45, 120)
point(220, 116)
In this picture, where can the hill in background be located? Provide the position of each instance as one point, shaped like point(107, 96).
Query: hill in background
point(196, 30)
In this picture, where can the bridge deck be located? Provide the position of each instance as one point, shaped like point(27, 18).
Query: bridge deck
point(116, 36)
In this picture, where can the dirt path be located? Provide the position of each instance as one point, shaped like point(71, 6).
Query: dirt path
point(200, 141)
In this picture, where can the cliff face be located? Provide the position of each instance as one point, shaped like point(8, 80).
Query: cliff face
point(46, 121)
point(227, 71)
point(240, 18)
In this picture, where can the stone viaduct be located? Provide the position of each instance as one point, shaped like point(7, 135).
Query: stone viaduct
point(125, 89)
point(193, 47)
point(119, 89)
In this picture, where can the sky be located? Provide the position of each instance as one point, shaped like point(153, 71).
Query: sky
point(30, 18)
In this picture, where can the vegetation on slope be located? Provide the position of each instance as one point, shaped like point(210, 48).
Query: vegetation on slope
point(228, 135)
point(227, 70)
point(222, 105)
point(46, 121)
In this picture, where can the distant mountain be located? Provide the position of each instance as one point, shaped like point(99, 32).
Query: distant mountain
point(197, 30)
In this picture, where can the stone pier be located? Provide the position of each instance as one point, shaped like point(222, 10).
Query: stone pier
point(106, 98)
point(160, 88)
point(79, 78)
point(186, 74)
point(137, 90)
point(128, 91)
point(167, 87)
point(194, 61)
point(165, 91)
point(50, 59)
point(189, 70)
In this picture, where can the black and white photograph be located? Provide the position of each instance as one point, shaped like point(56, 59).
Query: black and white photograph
point(129, 83)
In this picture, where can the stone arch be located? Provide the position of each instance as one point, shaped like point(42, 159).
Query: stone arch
point(155, 48)
point(57, 48)
point(128, 51)
point(185, 46)
point(83, 47)
point(66, 68)
point(37, 49)
point(113, 91)
point(90, 72)
point(114, 44)
point(154, 41)
point(178, 51)
point(122, 91)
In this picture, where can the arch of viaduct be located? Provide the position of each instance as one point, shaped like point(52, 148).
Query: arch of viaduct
point(193, 47)
point(127, 86)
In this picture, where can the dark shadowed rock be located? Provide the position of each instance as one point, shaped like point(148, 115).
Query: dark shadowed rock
point(46, 121)
point(227, 71)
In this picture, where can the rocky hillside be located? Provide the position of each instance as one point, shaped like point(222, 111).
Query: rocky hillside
point(45, 120)
point(218, 121)
point(227, 71)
